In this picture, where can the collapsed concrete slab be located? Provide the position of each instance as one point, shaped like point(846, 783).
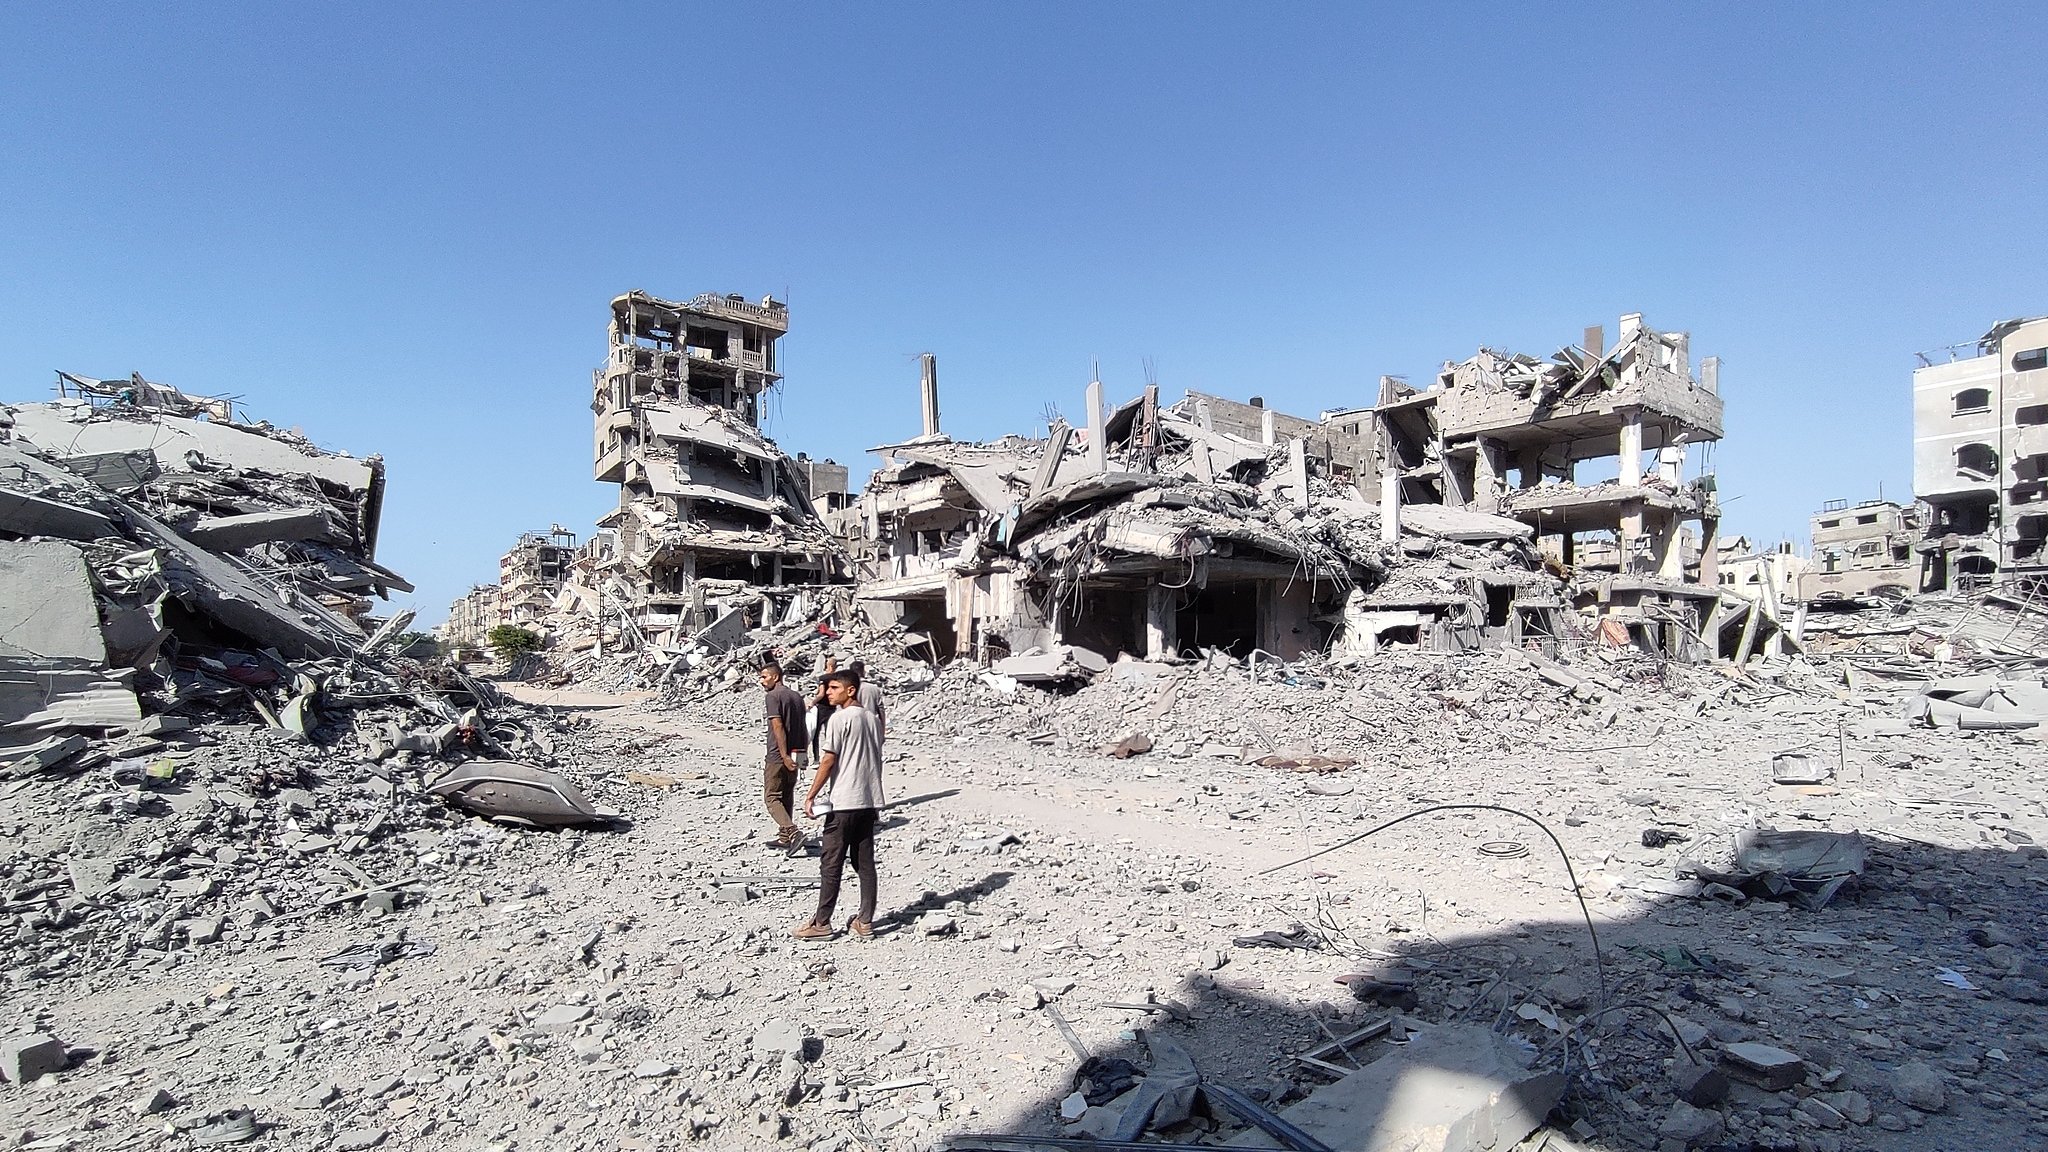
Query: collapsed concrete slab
point(46, 604)
point(1458, 1088)
point(50, 644)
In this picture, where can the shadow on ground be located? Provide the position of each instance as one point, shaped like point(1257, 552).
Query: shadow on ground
point(1857, 990)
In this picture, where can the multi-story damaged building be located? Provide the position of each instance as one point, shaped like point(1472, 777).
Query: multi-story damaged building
point(1860, 551)
point(470, 619)
point(1157, 531)
point(1215, 523)
point(531, 575)
point(710, 510)
point(1508, 434)
point(1980, 458)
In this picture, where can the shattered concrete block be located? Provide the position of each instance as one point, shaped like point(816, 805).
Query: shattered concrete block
point(781, 1036)
point(1692, 1126)
point(234, 533)
point(1768, 1067)
point(1452, 1089)
point(1919, 1085)
point(1700, 1085)
point(23, 1058)
point(562, 1018)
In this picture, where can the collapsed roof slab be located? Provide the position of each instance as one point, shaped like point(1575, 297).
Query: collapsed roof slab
point(1551, 509)
point(173, 440)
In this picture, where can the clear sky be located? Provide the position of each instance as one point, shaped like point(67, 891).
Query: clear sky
point(398, 226)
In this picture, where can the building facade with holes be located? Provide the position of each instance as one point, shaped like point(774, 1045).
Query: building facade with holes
point(1980, 459)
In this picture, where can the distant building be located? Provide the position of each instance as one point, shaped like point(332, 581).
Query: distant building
point(1862, 551)
point(1758, 573)
point(531, 574)
point(471, 618)
point(1980, 458)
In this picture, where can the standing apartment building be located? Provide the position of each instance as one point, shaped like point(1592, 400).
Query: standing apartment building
point(1980, 459)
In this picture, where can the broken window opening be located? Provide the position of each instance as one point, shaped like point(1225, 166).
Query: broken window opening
point(2033, 359)
point(2032, 414)
point(1224, 615)
point(1977, 461)
point(1500, 600)
point(1973, 400)
point(712, 340)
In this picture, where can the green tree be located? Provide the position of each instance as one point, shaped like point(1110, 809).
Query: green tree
point(511, 642)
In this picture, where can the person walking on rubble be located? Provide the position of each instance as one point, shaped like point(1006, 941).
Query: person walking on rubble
point(785, 713)
point(870, 695)
point(847, 792)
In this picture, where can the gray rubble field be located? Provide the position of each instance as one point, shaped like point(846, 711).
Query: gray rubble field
point(187, 941)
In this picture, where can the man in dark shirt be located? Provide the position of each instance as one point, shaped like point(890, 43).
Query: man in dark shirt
point(786, 741)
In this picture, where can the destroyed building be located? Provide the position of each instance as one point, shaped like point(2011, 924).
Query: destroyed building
point(470, 619)
point(1213, 523)
point(1980, 459)
point(1860, 552)
point(531, 574)
point(1156, 531)
point(157, 536)
point(1502, 416)
point(711, 514)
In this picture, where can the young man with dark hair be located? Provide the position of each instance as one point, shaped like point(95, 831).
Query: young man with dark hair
point(870, 695)
point(847, 791)
point(785, 711)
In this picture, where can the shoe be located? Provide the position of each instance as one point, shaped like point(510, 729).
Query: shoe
point(860, 928)
point(812, 930)
point(797, 847)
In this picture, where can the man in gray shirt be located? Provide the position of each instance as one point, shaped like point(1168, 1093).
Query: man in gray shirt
point(848, 793)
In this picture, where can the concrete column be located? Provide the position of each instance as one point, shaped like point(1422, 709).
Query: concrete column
point(1671, 464)
point(1632, 448)
point(1266, 435)
point(1710, 551)
point(1162, 636)
point(1390, 506)
point(1297, 471)
point(1098, 452)
point(1567, 550)
point(1529, 467)
point(929, 363)
point(1487, 474)
point(1631, 533)
point(1671, 549)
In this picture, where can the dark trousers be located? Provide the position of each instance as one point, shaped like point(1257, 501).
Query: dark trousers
point(848, 833)
point(778, 784)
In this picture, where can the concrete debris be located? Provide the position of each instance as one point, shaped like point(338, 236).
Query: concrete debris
point(516, 793)
point(1980, 703)
point(24, 1058)
point(1452, 1089)
point(1806, 868)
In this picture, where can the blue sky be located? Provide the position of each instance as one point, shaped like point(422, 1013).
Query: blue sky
point(400, 229)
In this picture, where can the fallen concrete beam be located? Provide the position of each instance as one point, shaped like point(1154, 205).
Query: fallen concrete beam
point(26, 515)
point(270, 616)
point(234, 533)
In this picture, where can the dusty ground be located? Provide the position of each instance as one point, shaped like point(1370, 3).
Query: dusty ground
point(592, 990)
